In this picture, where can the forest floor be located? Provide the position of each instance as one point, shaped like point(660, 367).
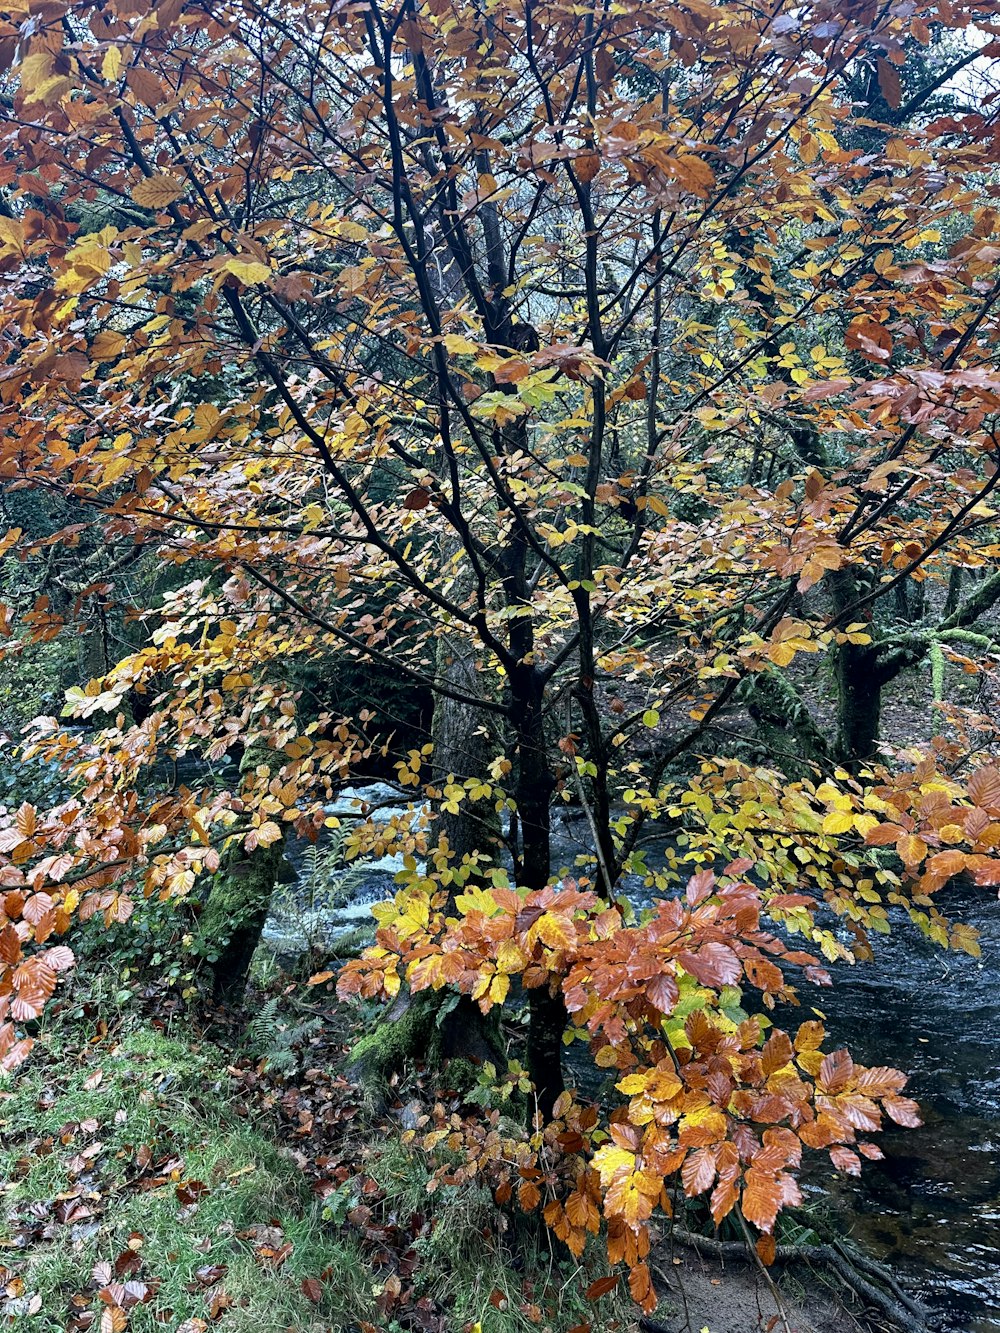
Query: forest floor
point(152, 1179)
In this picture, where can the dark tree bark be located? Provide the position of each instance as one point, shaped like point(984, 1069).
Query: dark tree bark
point(859, 683)
point(533, 793)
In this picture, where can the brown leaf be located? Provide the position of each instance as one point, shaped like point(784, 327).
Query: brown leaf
point(190, 1191)
point(662, 991)
point(602, 1286)
point(835, 1072)
point(889, 85)
point(641, 1287)
point(903, 1110)
point(984, 789)
point(145, 85)
point(157, 192)
point(698, 1172)
point(312, 1289)
point(845, 1160)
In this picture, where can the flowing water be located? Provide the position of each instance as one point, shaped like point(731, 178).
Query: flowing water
point(931, 1210)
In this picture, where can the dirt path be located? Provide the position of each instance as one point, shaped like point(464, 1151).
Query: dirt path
point(732, 1297)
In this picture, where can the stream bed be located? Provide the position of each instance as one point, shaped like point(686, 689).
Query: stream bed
point(931, 1209)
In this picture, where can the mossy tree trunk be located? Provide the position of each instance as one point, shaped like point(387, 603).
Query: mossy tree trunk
point(859, 702)
point(239, 901)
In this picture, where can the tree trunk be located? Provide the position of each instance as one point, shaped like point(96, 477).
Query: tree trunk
point(859, 702)
point(234, 917)
point(238, 903)
point(464, 747)
point(533, 794)
point(859, 683)
point(420, 1027)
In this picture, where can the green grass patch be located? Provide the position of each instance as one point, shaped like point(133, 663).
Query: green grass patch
point(134, 1162)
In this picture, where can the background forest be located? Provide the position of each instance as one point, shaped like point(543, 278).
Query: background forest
point(500, 584)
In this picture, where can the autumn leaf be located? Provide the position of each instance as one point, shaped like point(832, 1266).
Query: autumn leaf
point(312, 1289)
point(249, 272)
point(157, 191)
point(836, 1072)
point(601, 1286)
point(698, 1172)
point(888, 82)
point(761, 1199)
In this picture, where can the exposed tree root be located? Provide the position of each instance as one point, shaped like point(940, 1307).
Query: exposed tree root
point(903, 1312)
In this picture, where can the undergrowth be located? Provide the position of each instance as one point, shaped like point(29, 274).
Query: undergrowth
point(137, 1157)
point(144, 1178)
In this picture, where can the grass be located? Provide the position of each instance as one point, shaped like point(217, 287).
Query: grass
point(494, 1272)
point(135, 1160)
point(154, 1159)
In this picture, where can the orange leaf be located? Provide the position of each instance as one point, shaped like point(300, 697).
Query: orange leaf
point(641, 1286)
point(762, 1197)
point(835, 1072)
point(766, 1250)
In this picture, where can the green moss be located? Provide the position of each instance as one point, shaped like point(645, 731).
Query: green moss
point(937, 671)
point(353, 942)
point(393, 1042)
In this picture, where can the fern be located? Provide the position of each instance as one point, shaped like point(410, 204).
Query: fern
point(264, 1028)
point(325, 884)
point(274, 1039)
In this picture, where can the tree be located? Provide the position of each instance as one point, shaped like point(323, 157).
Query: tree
point(586, 366)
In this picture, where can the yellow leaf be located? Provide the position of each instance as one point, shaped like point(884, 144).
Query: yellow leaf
point(111, 64)
point(499, 987)
point(11, 233)
point(268, 833)
point(610, 1160)
point(312, 516)
point(631, 1084)
point(780, 653)
point(34, 70)
point(248, 271)
point(556, 930)
point(351, 231)
point(838, 821)
point(509, 957)
point(459, 345)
